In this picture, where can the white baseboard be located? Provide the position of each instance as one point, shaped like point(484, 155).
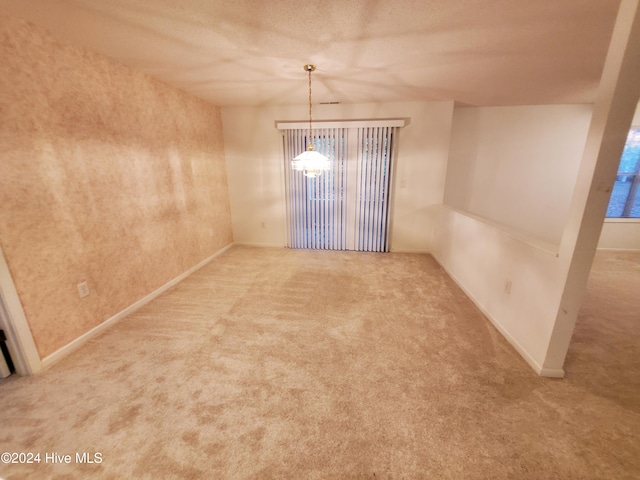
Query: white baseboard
point(408, 250)
point(539, 369)
point(551, 372)
point(254, 244)
point(273, 245)
point(84, 338)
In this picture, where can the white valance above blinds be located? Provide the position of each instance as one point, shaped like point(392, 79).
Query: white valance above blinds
point(383, 122)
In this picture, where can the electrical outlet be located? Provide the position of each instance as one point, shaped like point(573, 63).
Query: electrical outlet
point(83, 289)
point(507, 287)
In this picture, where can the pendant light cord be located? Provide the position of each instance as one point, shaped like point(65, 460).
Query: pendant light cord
point(310, 129)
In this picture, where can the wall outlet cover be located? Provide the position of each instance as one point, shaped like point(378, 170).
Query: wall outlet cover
point(83, 289)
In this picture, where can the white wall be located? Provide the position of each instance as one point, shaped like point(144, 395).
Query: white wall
point(508, 189)
point(512, 165)
point(514, 282)
point(621, 234)
point(254, 156)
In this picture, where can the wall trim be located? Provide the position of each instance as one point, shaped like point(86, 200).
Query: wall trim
point(608, 249)
point(409, 250)
point(621, 220)
point(273, 245)
point(351, 123)
point(95, 331)
point(514, 233)
point(262, 245)
point(539, 369)
point(551, 372)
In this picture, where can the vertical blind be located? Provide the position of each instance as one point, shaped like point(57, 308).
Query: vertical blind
point(316, 210)
point(347, 207)
point(374, 158)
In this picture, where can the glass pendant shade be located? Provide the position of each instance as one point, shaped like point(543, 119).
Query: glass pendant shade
point(311, 163)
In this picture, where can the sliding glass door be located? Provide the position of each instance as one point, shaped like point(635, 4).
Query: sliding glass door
point(347, 207)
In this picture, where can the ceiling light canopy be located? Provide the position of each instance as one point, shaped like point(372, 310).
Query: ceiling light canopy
point(310, 162)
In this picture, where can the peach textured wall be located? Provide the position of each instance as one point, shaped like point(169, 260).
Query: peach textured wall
point(107, 176)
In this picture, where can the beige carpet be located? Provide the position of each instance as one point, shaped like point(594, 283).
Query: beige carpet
point(276, 363)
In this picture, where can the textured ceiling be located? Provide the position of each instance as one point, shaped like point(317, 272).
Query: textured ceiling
point(251, 52)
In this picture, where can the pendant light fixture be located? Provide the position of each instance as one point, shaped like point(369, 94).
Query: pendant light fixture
point(310, 162)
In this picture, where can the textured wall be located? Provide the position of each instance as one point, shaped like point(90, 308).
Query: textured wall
point(107, 176)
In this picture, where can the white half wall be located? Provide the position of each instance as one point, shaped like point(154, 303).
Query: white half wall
point(507, 200)
point(509, 184)
point(515, 282)
point(254, 157)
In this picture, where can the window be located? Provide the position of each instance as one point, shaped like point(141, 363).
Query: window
point(346, 208)
point(625, 197)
